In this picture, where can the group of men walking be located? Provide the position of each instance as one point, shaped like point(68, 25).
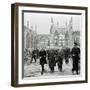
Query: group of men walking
point(53, 57)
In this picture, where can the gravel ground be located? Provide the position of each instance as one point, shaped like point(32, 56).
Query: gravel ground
point(34, 70)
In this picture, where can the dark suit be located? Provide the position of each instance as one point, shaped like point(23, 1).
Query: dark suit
point(51, 58)
point(43, 61)
point(60, 59)
point(43, 57)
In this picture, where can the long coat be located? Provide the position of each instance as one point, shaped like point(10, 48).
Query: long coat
point(51, 58)
point(42, 55)
point(60, 58)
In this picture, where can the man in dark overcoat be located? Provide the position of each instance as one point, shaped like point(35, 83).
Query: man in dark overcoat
point(52, 61)
point(60, 59)
point(43, 61)
point(75, 57)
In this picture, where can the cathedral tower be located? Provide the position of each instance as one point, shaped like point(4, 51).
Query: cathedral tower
point(70, 30)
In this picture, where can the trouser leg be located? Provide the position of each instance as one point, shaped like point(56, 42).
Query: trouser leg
point(42, 67)
point(73, 67)
point(60, 67)
point(52, 69)
point(31, 59)
point(77, 68)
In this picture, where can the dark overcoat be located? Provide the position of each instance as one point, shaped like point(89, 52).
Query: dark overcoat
point(52, 57)
point(42, 54)
point(60, 58)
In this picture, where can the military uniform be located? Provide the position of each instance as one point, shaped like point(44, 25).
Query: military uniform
point(76, 57)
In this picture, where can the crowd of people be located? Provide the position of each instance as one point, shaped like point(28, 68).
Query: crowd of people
point(56, 56)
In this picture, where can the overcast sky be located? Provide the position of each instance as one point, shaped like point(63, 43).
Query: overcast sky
point(43, 21)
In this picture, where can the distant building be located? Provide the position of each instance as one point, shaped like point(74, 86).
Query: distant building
point(61, 36)
point(57, 36)
point(43, 41)
point(30, 38)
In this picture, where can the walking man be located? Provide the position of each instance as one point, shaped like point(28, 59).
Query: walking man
point(33, 56)
point(52, 61)
point(43, 61)
point(60, 59)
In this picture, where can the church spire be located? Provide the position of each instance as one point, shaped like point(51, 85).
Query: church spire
point(52, 26)
point(31, 27)
point(28, 24)
point(52, 20)
point(70, 23)
point(66, 24)
point(35, 28)
point(57, 24)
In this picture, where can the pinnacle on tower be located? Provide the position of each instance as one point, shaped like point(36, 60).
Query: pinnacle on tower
point(28, 24)
point(32, 27)
point(52, 20)
point(35, 28)
point(70, 23)
point(57, 24)
point(66, 24)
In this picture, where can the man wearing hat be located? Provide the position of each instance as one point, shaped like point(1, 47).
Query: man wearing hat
point(75, 57)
